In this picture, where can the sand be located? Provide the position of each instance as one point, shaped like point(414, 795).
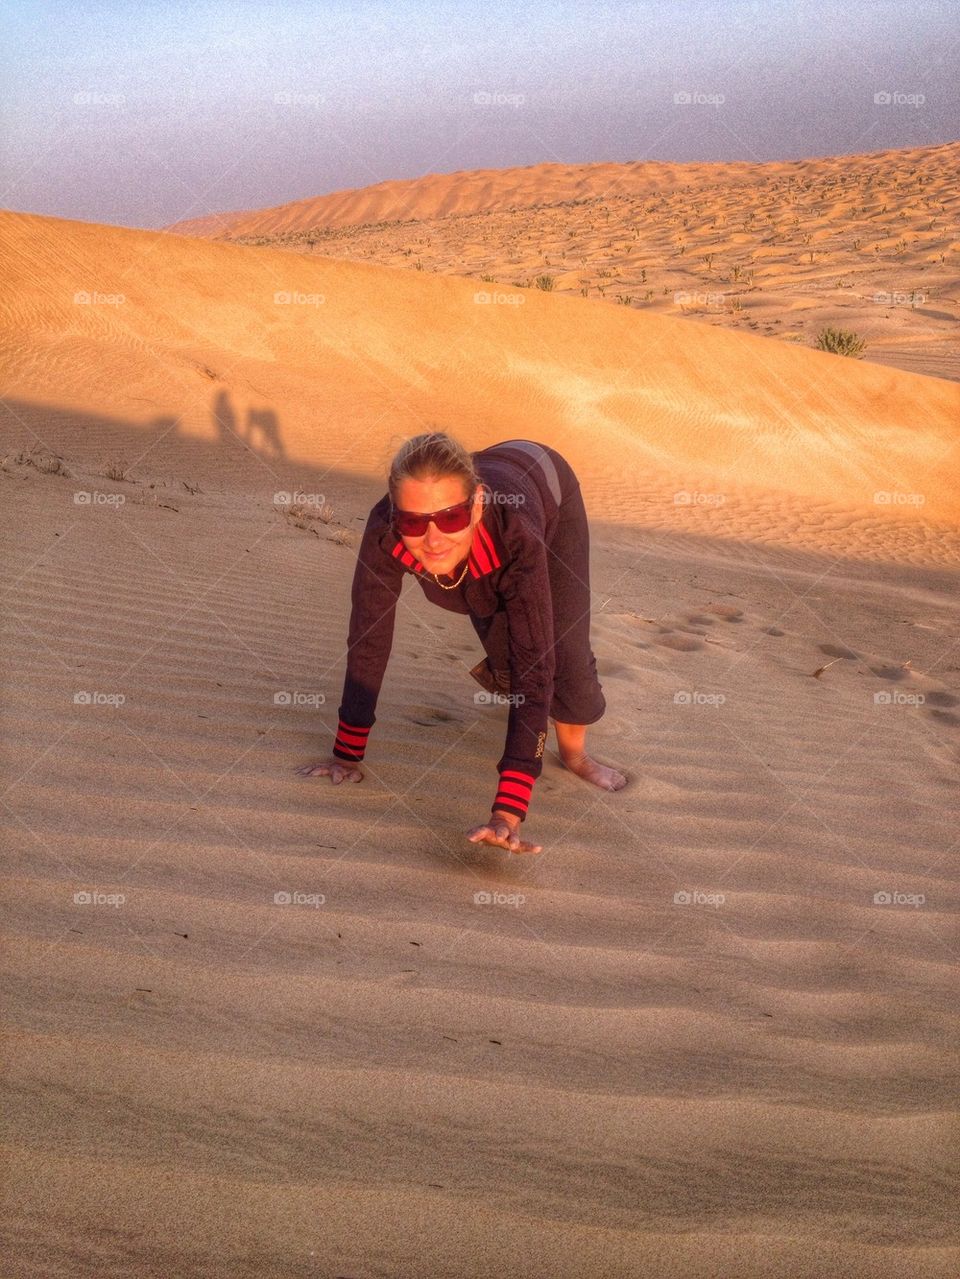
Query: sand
point(867, 243)
point(710, 1030)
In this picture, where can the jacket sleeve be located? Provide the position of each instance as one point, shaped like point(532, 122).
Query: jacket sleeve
point(377, 581)
point(525, 590)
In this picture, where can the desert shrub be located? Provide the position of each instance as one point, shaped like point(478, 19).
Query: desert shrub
point(841, 342)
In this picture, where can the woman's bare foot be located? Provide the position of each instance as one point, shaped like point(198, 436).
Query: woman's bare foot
point(599, 774)
point(571, 740)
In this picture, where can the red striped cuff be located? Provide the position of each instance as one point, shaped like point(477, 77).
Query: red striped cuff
point(351, 741)
point(513, 792)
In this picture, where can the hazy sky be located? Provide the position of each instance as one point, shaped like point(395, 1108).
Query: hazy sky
point(142, 112)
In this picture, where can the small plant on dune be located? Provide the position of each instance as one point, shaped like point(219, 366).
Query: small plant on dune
point(545, 282)
point(115, 471)
point(841, 342)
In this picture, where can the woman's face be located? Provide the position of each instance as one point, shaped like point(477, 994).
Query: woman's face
point(439, 552)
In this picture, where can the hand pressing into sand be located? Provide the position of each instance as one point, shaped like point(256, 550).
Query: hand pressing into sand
point(337, 769)
point(502, 831)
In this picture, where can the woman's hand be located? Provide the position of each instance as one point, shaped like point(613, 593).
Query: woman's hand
point(338, 770)
point(502, 831)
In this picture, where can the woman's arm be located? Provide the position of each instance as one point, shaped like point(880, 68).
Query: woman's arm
point(377, 580)
point(525, 589)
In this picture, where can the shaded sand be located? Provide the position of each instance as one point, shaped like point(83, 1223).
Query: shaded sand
point(867, 243)
point(699, 1045)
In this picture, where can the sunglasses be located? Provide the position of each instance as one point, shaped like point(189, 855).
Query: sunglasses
point(452, 519)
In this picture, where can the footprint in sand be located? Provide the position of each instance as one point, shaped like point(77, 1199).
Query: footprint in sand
point(699, 619)
point(837, 650)
point(894, 673)
point(680, 643)
point(772, 630)
point(611, 669)
point(431, 716)
point(937, 698)
point(940, 704)
point(726, 611)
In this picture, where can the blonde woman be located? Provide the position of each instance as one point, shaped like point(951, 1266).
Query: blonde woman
point(502, 536)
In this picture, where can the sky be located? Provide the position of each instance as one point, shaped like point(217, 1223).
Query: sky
point(144, 113)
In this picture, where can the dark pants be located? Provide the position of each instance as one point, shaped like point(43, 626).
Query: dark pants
point(577, 692)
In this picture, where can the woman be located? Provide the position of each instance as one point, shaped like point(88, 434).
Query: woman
point(502, 536)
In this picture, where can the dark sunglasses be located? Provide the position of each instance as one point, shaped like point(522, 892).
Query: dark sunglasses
point(452, 519)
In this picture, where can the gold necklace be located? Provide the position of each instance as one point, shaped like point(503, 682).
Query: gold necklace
point(455, 584)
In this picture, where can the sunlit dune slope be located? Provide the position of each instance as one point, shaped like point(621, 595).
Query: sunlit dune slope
point(345, 355)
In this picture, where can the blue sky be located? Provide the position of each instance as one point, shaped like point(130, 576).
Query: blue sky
point(144, 113)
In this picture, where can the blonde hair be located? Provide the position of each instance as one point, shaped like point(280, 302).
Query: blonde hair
point(434, 455)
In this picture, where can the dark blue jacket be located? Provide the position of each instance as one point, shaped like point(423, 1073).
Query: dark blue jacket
point(507, 569)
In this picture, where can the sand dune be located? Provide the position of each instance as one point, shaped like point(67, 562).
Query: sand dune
point(700, 1044)
point(868, 243)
